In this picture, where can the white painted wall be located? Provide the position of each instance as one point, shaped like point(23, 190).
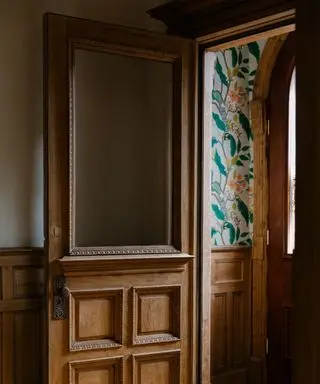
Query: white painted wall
point(21, 103)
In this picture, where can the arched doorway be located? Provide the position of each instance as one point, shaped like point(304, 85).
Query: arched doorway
point(281, 220)
point(260, 118)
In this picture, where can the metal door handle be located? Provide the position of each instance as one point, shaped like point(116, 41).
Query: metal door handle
point(61, 294)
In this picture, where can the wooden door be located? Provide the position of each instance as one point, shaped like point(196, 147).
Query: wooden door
point(120, 226)
point(281, 245)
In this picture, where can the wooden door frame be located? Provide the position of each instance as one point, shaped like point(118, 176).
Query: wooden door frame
point(222, 40)
point(279, 262)
point(306, 266)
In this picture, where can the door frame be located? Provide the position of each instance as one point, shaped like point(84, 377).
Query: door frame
point(242, 34)
point(277, 137)
point(195, 19)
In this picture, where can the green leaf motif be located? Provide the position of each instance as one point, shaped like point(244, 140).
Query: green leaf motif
point(251, 217)
point(244, 158)
point(244, 121)
point(244, 234)
point(213, 232)
point(241, 75)
point(219, 123)
point(254, 49)
point(240, 163)
point(223, 77)
point(218, 162)
point(218, 212)
point(239, 146)
point(232, 233)
point(253, 73)
point(215, 187)
point(234, 54)
point(216, 95)
point(243, 209)
point(251, 82)
point(246, 61)
point(213, 142)
point(245, 148)
point(233, 144)
point(238, 233)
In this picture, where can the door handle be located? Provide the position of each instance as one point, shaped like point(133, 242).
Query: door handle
point(61, 295)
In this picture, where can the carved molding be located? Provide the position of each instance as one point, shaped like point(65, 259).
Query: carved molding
point(108, 265)
point(173, 293)
point(200, 18)
point(114, 39)
point(138, 250)
point(116, 295)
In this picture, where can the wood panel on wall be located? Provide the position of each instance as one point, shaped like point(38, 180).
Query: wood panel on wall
point(21, 302)
point(230, 336)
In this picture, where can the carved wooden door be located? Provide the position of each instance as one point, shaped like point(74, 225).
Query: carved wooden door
point(120, 204)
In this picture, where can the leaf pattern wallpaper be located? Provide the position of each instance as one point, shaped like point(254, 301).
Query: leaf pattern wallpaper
point(231, 144)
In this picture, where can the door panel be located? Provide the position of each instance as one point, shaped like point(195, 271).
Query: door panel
point(120, 229)
point(230, 295)
point(131, 320)
point(279, 260)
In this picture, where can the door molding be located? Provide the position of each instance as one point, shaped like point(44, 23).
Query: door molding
point(260, 197)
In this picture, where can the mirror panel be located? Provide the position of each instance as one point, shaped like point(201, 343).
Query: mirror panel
point(121, 151)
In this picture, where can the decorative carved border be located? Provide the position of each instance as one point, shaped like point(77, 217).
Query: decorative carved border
point(138, 250)
point(173, 357)
point(73, 250)
point(118, 295)
point(175, 293)
point(95, 364)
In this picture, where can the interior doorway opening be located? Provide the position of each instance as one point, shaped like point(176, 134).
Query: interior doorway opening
point(239, 290)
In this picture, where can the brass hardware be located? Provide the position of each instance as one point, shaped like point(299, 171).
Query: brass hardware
point(61, 295)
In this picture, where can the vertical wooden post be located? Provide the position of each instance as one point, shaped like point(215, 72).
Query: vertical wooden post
point(259, 268)
point(306, 261)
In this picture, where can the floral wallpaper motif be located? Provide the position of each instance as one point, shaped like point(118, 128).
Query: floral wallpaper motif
point(231, 145)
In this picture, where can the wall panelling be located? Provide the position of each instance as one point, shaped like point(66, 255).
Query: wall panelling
point(21, 302)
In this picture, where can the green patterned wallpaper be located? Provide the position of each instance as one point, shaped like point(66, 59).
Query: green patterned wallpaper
point(231, 144)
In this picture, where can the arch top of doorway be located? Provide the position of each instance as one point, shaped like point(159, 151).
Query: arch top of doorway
point(266, 65)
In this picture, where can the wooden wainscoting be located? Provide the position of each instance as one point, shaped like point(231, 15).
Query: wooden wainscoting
point(21, 300)
point(230, 315)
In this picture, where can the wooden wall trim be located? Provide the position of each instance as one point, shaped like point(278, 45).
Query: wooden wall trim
point(194, 18)
point(260, 197)
point(236, 249)
point(266, 65)
point(21, 304)
point(104, 265)
point(259, 248)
